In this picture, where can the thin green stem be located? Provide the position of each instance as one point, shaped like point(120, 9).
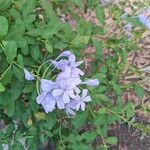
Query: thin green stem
point(38, 78)
point(23, 69)
point(103, 140)
point(5, 71)
point(115, 113)
point(99, 131)
point(2, 46)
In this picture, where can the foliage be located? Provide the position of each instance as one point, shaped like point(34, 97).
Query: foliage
point(30, 33)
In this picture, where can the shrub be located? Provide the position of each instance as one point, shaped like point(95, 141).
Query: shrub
point(32, 32)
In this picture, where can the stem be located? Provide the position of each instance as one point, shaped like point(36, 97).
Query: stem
point(2, 46)
point(115, 114)
point(103, 140)
point(99, 131)
point(91, 111)
point(23, 69)
point(5, 71)
point(38, 78)
point(38, 72)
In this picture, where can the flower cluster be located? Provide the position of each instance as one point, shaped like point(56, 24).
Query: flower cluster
point(65, 93)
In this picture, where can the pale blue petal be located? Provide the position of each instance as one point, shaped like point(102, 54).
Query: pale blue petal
point(87, 99)
point(83, 106)
point(78, 63)
point(72, 59)
point(92, 82)
point(84, 93)
point(49, 106)
point(28, 75)
point(47, 85)
point(66, 98)
point(77, 90)
point(57, 92)
point(65, 53)
point(60, 104)
point(70, 112)
point(64, 75)
point(145, 21)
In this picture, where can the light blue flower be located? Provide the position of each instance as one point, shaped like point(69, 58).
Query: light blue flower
point(71, 63)
point(91, 82)
point(66, 89)
point(128, 27)
point(69, 111)
point(145, 21)
point(80, 101)
point(28, 75)
point(64, 92)
point(47, 102)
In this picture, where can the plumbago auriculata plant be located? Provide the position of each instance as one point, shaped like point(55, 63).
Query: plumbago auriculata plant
point(66, 91)
point(47, 96)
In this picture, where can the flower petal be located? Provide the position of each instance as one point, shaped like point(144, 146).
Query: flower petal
point(65, 53)
point(47, 85)
point(92, 82)
point(49, 106)
point(28, 75)
point(83, 106)
point(57, 92)
point(66, 98)
point(65, 74)
point(78, 63)
point(77, 90)
point(84, 93)
point(72, 59)
point(60, 104)
point(40, 98)
point(87, 99)
point(70, 112)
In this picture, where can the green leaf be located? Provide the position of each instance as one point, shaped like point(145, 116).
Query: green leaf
point(25, 49)
point(48, 33)
point(102, 111)
point(28, 7)
point(139, 91)
point(117, 88)
point(129, 110)
point(8, 77)
point(60, 45)
point(35, 52)
point(28, 88)
point(49, 47)
point(100, 14)
point(18, 73)
point(50, 121)
point(111, 140)
point(89, 136)
point(99, 49)
point(80, 40)
point(49, 12)
point(4, 4)
point(3, 26)
point(10, 50)
point(80, 119)
point(20, 60)
point(8, 103)
point(17, 30)
point(2, 88)
point(102, 97)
